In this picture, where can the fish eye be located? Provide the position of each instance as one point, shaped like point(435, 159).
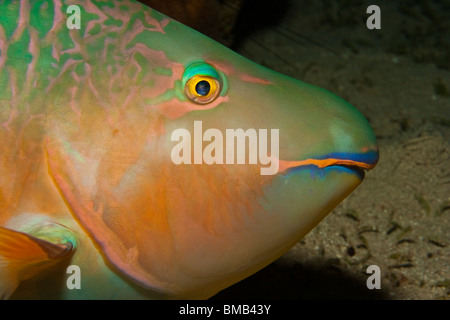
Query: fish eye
point(202, 83)
point(202, 89)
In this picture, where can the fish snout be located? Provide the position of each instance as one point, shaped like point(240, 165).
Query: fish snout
point(319, 129)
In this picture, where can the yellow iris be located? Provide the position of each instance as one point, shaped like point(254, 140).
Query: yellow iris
point(202, 89)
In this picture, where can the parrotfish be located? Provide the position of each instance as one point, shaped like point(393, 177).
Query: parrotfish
point(92, 204)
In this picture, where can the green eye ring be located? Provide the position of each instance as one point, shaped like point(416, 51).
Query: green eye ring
point(202, 83)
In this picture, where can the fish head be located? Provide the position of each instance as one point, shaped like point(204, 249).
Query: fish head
point(144, 176)
point(231, 220)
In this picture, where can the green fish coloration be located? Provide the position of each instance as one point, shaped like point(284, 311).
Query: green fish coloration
point(88, 180)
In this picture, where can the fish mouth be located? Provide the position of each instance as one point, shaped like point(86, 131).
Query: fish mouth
point(356, 163)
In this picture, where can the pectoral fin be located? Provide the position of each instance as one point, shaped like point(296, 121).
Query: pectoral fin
point(24, 255)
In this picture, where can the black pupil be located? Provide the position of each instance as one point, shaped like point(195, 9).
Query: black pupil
point(203, 87)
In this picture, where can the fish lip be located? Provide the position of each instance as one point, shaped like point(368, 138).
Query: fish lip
point(355, 162)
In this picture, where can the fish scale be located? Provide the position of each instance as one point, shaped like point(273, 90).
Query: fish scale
point(87, 175)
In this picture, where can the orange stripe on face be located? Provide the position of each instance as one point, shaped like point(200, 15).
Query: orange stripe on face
point(253, 79)
point(323, 163)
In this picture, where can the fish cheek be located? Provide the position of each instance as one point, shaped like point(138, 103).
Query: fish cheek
point(216, 208)
point(163, 225)
point(122, 210)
